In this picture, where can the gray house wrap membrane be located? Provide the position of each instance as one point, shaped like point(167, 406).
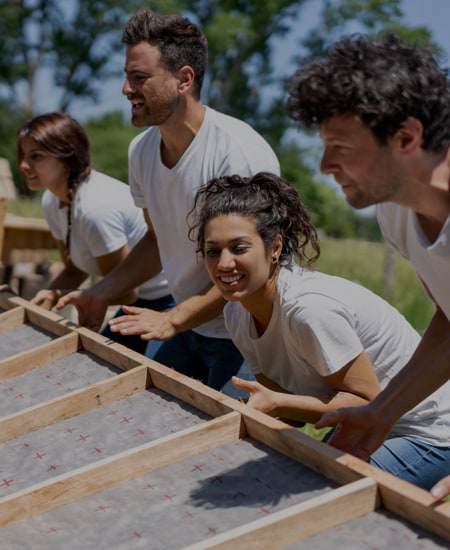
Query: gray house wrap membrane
point(226, 493)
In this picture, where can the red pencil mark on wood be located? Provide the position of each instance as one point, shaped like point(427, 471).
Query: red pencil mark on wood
point(6, 482)
point(39, 455)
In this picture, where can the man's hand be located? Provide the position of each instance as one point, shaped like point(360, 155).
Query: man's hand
point(150, 324)
point(46, 298)
point(358, 430)
point(91, 308)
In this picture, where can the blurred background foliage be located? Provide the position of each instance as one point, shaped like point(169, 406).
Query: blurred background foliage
point(254, 47)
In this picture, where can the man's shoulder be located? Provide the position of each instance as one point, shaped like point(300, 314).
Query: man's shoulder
point(225, 123)
point(144, 138)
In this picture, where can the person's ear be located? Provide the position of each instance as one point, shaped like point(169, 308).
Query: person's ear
point(186, 77)
point(277, 248)
point(409, 136)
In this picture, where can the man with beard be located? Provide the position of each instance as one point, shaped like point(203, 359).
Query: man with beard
point(383, 111)
point(186, 145)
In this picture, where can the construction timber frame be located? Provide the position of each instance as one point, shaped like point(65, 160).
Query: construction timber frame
point(216, 473)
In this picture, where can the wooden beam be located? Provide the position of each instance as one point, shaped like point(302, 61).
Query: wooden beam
point(12, 319)
point(73, 403)
point(118, 355)
point(114, 470)
point(38, 356)
point(283, 528)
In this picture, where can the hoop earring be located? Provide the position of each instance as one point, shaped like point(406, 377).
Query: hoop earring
point(274, 259)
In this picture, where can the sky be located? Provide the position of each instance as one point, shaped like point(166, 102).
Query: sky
point(434, 14)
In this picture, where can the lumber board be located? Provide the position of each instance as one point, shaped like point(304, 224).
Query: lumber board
point(111, 471)
point(40, 355)
point(74, 403)
point(299, 521)
point(11, 319)
point(56, 377)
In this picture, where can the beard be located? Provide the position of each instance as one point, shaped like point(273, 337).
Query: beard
point(161, 109)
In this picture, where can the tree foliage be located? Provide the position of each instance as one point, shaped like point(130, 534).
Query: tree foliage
point(76, 44)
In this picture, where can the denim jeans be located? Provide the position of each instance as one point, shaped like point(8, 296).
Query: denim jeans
point(134, 341)
point(213, 361)
point(413, 460)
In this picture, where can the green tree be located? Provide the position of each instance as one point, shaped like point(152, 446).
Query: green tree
point(78, 40)
point(110, 136)
point(74, 40)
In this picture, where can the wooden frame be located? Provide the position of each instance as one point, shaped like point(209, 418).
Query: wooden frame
point(350, 489)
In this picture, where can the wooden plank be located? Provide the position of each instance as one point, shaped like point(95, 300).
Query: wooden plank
point(12, 318)
point(314, 454)
point(49, 321)
point(5, 300)
point(300, 521)
point(118, 355)
point(398, 496)
point(73, 403)
point(114, 470)
point(192, 391)
point(25, 234)
point(414, 504)
point(38, 356)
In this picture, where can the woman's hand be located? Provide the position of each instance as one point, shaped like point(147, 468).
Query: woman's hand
point(261, 398)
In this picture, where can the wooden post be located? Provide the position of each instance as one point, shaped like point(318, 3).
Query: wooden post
point(7, 191)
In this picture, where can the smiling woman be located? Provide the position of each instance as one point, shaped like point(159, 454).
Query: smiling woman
point(91, 216)
point(314, 342)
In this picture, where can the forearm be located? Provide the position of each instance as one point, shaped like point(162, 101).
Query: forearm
point(309, 408)
point(67, 280)
point(426, 371)
point(142, 263)
point(197, 310)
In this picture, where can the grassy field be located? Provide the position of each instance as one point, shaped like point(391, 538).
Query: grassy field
point(365, 262)
point(360, 261)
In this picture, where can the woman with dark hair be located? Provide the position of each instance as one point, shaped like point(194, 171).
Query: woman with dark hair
point(314, 342)
point(91, 215)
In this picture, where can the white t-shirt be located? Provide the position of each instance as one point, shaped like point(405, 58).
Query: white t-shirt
point(431, 261)
point(223, 146)
point(320, 323)
point(104, 219)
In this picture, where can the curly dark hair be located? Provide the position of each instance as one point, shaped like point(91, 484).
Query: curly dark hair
point(382, 81)
point(179, 41)
point(268, 199)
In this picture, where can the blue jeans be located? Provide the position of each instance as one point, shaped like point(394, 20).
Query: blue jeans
point(134, 341)
point(413, 460)
point(213, 361)
point(410, 459)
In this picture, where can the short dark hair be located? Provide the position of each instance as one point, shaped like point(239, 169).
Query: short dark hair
point(382, 81)
point(179, 41)
point(268, 199)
